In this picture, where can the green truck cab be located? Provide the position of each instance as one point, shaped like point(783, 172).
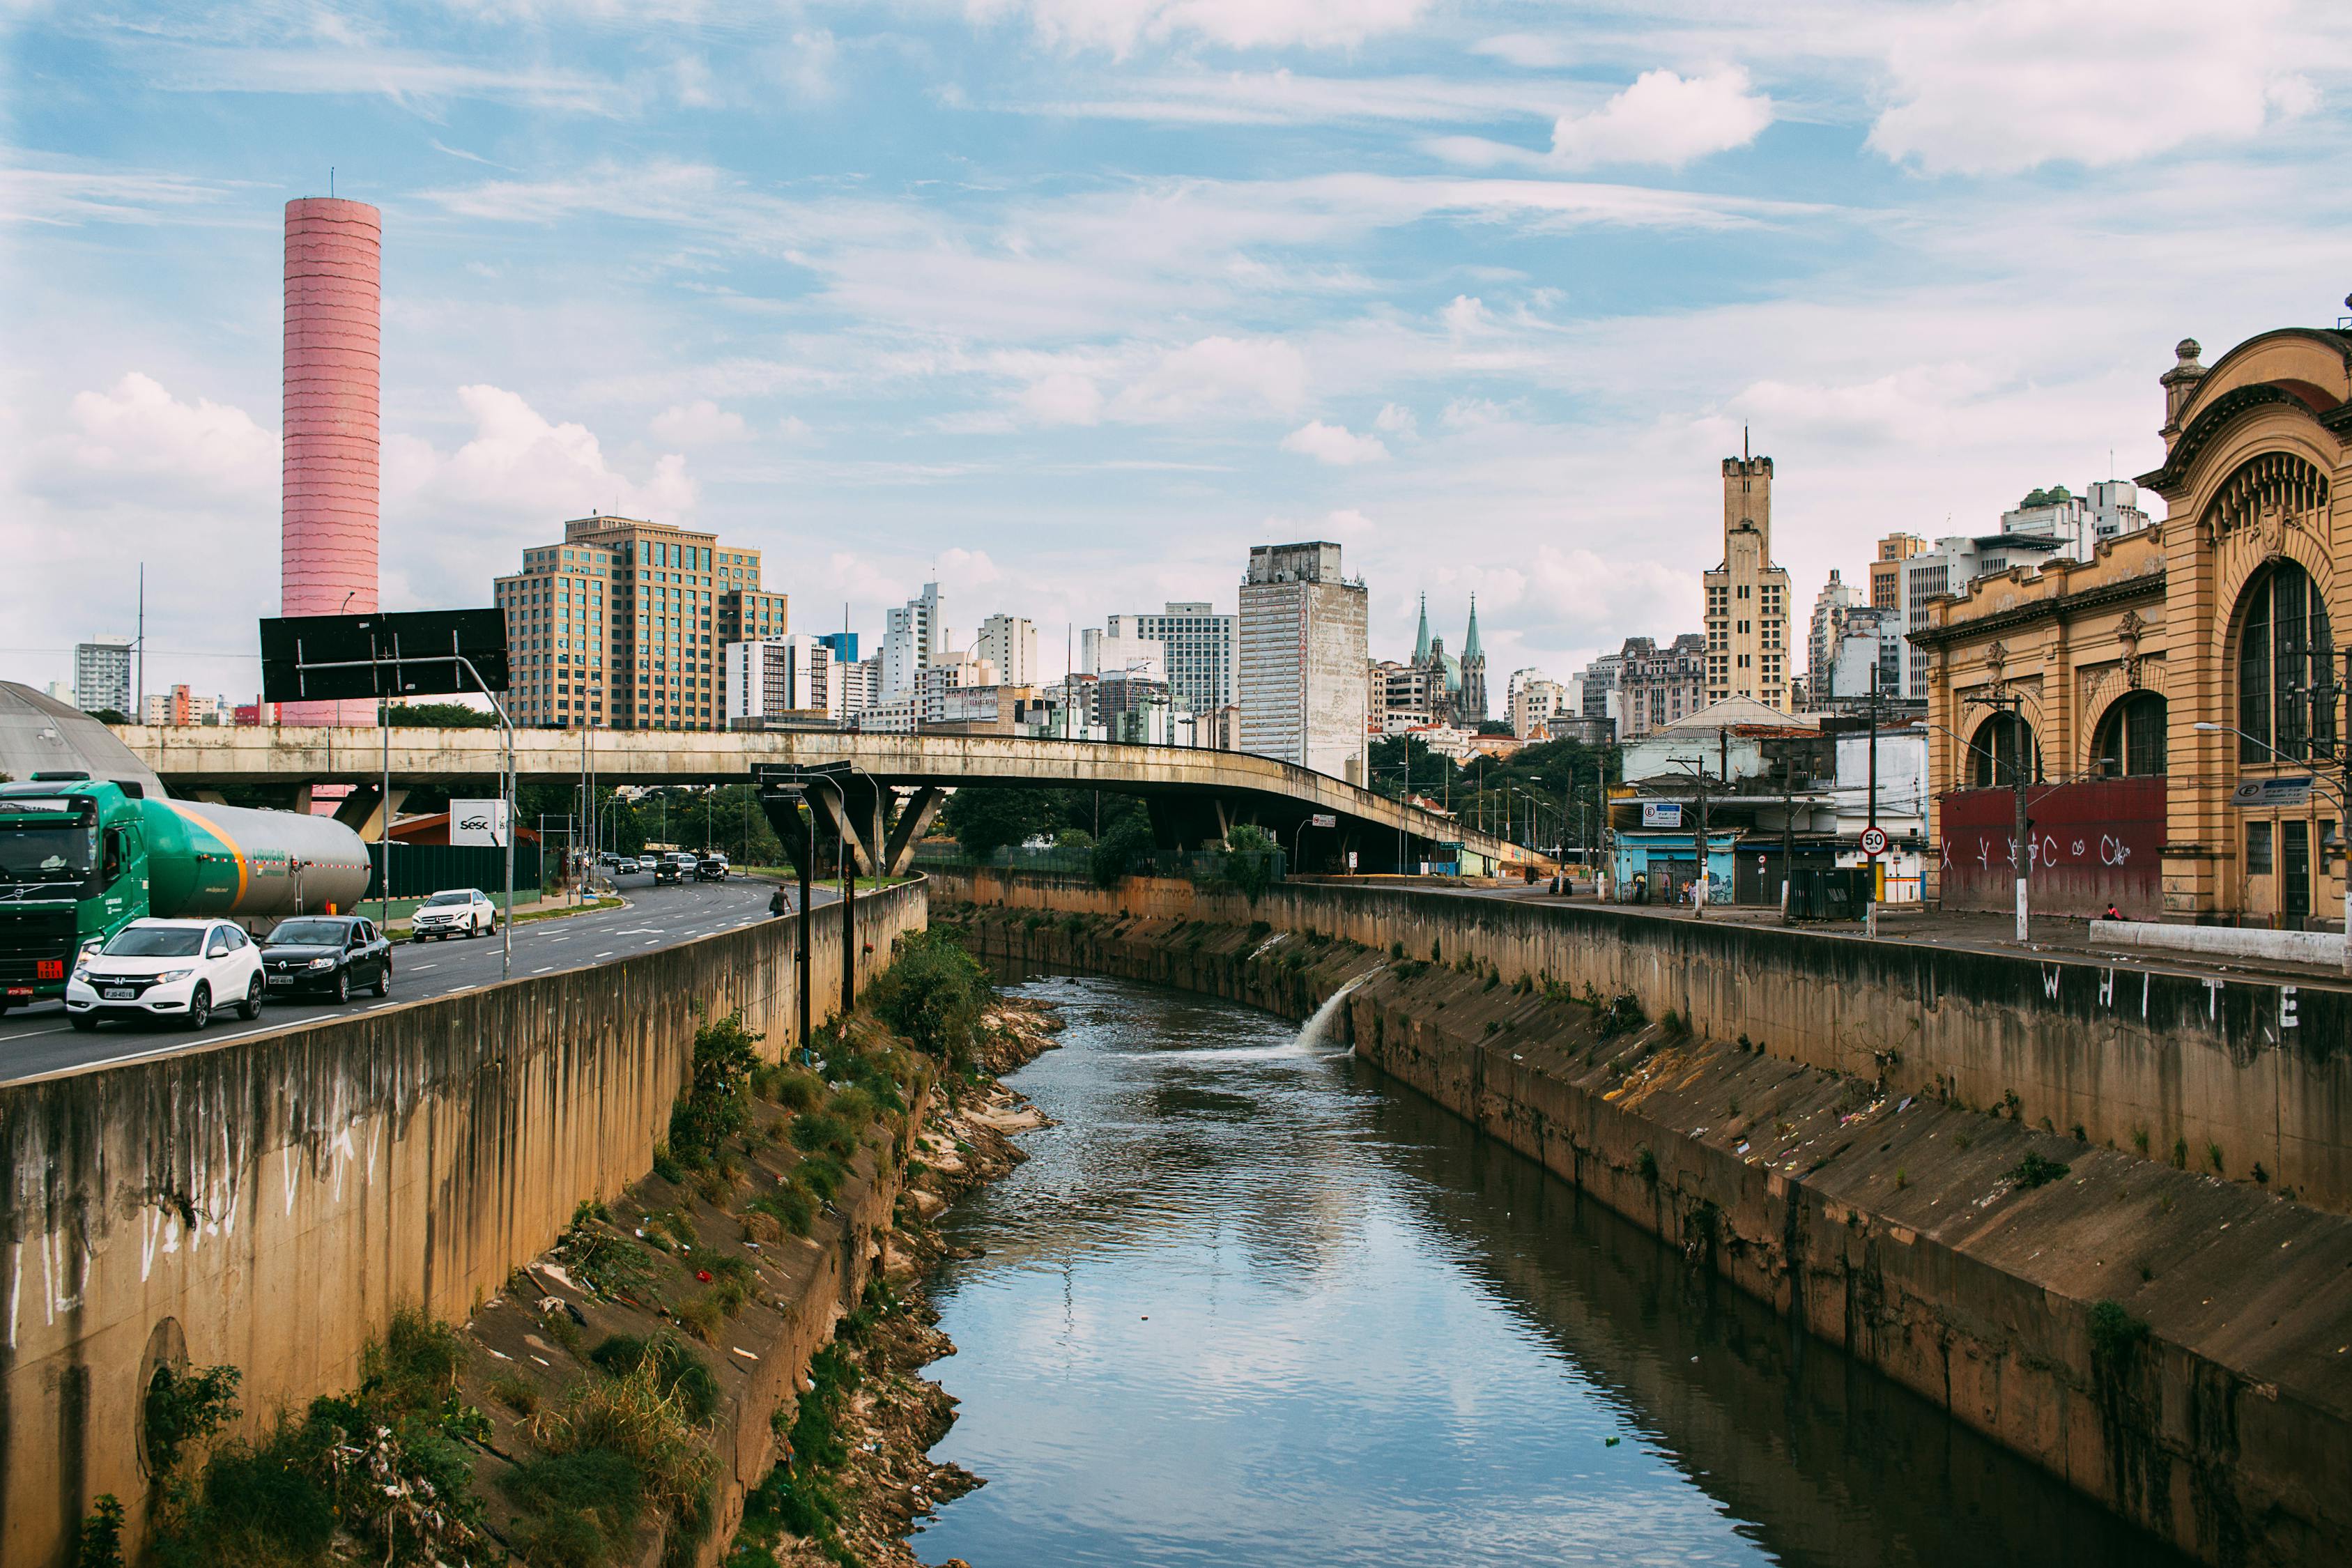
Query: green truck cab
point(82, 858)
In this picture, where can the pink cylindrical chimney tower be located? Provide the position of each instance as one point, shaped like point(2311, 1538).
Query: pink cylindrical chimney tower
point(334, 295)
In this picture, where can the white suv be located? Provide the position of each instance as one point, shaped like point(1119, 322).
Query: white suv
point(462, 911)
point(167, 969)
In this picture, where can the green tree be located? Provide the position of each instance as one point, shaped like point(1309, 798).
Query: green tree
point(934, 995)
point(1122, 850)
point(440, 716)
point(984, 819)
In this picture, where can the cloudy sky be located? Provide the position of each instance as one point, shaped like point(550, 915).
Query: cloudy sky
point(1070, 302)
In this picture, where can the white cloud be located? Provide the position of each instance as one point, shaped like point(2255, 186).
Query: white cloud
point(1465, 314)
point(1999, 86)
point(524, 466)
point(1119, 25)
point(795, 429)
point(1334, 444)
point(1063, 397)
point(1663, 119)
point(1217, 373)
point(1396, 419)
point(701, 423)
point(136, 440)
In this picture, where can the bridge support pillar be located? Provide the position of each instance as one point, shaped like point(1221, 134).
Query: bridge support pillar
point(363, 810)
point(915, 816)
point(827, 808)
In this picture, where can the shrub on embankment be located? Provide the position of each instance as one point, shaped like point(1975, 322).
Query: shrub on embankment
point(580, 1418)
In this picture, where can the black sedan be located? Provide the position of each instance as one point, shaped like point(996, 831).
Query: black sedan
point(330, 955)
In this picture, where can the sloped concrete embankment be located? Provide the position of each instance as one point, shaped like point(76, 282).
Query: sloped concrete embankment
point(269, 1202)
point(2247, 1078)
point(2176, 1345)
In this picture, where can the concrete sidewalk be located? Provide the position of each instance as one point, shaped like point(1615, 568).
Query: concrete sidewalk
point(2056, 936)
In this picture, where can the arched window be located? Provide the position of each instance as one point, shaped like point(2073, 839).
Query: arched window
point(2131, 737)
point(1994, 754)
point(2286, 680)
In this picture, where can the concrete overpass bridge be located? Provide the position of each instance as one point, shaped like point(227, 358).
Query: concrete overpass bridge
point(1193, 795)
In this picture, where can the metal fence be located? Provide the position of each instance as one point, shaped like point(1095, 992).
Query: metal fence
point(421, 868)
point(1195, 864)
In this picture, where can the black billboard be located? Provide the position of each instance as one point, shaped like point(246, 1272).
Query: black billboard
point(412, 653)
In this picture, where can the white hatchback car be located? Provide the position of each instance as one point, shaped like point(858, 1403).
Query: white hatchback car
point(167, 969)
point(459, 911)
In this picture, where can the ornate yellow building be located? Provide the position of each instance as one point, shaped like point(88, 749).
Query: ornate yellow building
point(2200, 649)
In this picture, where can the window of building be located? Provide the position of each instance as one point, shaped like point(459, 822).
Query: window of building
point(2131, 741)
point(1994, 752)
point(2258, 849)
point(2286, 682)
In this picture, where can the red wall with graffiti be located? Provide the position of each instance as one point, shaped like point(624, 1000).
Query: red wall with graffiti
point(2093, 843)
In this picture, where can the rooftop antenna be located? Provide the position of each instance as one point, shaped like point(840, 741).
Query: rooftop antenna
point(330, 182)
point(1743, 442)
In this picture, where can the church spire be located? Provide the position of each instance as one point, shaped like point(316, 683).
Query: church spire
point(1421, 642)
point(1470, 649)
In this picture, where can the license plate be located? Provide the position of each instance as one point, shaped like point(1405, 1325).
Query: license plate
point(20, 991)
point(282, 980)
point(121, 993)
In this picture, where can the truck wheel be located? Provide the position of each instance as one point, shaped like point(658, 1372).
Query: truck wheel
point(200, 1007)
point(250, 1008)
point(85, 1022)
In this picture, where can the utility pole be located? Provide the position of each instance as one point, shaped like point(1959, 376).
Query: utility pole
point(1789, 827)
point(1870, 928)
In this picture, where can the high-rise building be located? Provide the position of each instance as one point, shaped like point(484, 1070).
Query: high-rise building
point(1009, 643)
point(102, 676)
point(328, 466)
point(180, 706)
point(1120, 650)
point(1302, 659)
point(1657, 686)
point(619, 626)
point(1886, 572)
point(779, 678)
point(1746, 595)
point(1829, 606)
point(844, 646)
point(1198, 650)
point(860, 683)
point(912, 638)
point(1534, 699)
point(1948, 568)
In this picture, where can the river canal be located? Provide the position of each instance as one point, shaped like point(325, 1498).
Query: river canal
point(1250, 1302)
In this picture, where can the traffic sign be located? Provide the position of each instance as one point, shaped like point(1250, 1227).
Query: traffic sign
point(1873, 841)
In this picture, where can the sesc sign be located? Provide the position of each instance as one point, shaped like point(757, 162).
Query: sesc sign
point(477, 821)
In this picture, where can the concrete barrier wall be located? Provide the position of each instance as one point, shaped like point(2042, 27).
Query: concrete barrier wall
point(270, 1202)
point(2222, 942)
point(2152, 1063)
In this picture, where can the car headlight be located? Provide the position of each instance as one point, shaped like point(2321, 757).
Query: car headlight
point(322, 964)
point(88, 951)
point(171, 975)
point(82, 973)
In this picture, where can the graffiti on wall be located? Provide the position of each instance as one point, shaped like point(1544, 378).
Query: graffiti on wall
point(2090, 845)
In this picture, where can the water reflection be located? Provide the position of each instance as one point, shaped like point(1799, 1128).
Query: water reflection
point(1250, 1303)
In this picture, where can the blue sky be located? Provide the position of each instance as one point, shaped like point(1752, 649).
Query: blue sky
point(1076, 300)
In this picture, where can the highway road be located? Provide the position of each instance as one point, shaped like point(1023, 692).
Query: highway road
point(39, 1040)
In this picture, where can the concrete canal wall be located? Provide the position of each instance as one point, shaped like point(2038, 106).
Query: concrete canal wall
point(2256, 1073)
point(2170, 1342)
point(269, 1202)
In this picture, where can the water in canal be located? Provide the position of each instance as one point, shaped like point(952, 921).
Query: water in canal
point(1249, 1303)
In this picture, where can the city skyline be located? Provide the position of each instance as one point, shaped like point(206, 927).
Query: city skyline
point(963, 277)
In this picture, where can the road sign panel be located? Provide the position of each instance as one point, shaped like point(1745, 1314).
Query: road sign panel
point(1873, 841)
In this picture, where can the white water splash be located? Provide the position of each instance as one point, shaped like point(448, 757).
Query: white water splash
point(1311, 1037)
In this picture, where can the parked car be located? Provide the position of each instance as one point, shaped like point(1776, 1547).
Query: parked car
point(330, 955)
point(710, 868)
point(458, 911)
point(167, 969)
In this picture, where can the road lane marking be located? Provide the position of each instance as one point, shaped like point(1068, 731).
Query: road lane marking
point(606, 953)
point(543, 969)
